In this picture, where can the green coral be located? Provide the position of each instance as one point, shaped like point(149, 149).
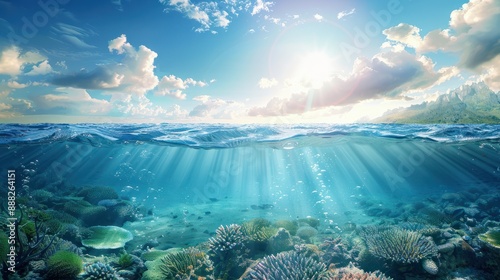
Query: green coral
point(29, 230)
point(258, 232)
point(185, 264)
point(64, 265)
point(125, 260)
point(398, 245)
point(291, 226)
point(107, 237)
point(84, 210)
point(313, 222)
point(97, 193)
point(492, 238)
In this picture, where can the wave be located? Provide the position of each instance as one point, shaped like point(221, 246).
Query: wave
point(226, 135)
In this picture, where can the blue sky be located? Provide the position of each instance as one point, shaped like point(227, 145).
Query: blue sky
point(238, 60)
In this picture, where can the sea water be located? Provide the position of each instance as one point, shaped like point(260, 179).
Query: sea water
point(186, 180)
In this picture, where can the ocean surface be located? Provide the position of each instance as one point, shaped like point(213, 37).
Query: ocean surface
point(186, 180)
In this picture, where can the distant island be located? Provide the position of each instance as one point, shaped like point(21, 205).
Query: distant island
point(468, 104)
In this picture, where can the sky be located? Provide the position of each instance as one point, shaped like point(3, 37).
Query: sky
point(238, 61)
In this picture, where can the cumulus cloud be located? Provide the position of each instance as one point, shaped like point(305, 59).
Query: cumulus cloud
point(345, 13)
point(318, 17)
point(41, 69)
point(215, 14)
point(16, 85)
point(206, 13)
point(386, 75)
point(261, 6)
point(13, 62)
point(141, 106)
point(216, 108)
point(134, 74)
point(173, 86)
point(71, 101)
point(473, 34)
point(267, 83)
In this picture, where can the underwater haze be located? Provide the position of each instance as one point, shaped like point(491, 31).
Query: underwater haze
point(181, 182)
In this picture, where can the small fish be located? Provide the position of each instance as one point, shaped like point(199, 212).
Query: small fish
point(175, 216)
point(213, 199)
point(208, 213)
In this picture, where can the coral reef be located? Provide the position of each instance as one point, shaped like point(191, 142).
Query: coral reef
point(100, 271)
point(281, 241)
point(97, 193)
point(351, 272)
point(125, 260)
point(334, 251)
point(227, 251)
point(64, 265)
point(28, 250)
point(398, 245)
point(491, 238)
point(430, 266)
point(189, 263)
point(306, 233)
point(290, 226)
point(290, 266)
point(107, 237)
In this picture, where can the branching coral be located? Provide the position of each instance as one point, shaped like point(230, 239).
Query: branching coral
point(290, 266)
point(227, 240)
point(353, 273)
point(100, 271)
point(398, 245)
point(227, 251)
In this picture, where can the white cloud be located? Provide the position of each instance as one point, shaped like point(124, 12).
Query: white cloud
point(134, 74)
point(345, 13)
point(71, 101)
point(404, 33)
point(12, 62)
point(318, 17)
point(41, 69)
point(216, 108)
point(387, 75)
point(74, 35)
point(174, 86)
point(267, 83)
point(16, 85)
point(261, 6)
point(221, 18)
point(473, 34)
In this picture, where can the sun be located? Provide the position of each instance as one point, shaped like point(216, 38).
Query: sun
point(315, 68)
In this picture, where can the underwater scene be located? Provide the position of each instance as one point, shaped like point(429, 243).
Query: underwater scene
point(186, 201)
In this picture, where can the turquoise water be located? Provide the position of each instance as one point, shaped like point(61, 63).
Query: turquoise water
point(184, 181)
